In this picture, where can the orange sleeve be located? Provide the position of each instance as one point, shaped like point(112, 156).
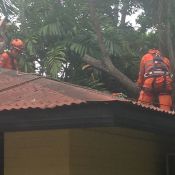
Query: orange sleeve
point(140, 79)
point(3, 59)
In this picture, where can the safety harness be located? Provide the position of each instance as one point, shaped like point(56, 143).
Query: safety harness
point(157, 68)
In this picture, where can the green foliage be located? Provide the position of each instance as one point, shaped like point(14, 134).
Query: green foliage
point(54, 60)
point(59, 33)
point(25, 65)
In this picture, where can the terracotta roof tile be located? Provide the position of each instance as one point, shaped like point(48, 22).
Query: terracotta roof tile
point(31, 91)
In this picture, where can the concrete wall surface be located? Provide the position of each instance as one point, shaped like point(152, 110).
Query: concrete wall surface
point(95, 151)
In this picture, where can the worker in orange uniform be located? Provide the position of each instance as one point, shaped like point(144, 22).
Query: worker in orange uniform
point(8, 58)
point(155, 80)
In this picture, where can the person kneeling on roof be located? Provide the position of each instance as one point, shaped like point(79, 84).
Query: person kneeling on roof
point(155, 80)
point(8, 57)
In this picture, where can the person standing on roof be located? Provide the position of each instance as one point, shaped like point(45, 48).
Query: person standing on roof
point(155, 79)
point(8, 57)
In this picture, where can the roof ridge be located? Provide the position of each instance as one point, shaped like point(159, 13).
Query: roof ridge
point(50, 78)
point(17, 85)
point(57, 80)
point(75, 85)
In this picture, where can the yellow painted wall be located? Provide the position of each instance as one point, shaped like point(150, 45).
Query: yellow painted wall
point(97, 151)
point(37, 153)
point(116, 151)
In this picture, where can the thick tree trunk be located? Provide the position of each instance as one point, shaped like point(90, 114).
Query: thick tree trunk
point(170, 43)
point(123, 14)
point(106, 64)
point(169, 38)
point(116, 13)
point(170, 47)
point(160, 25)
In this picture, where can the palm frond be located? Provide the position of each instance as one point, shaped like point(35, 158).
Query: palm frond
point(54, 60)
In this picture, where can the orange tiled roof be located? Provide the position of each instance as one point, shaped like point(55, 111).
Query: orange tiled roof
point(31, 91)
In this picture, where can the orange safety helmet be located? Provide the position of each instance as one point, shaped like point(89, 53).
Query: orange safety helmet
point(154, 51)
point(17, 44)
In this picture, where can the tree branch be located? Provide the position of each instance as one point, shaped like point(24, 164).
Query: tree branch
point(97, 29)
point(121, 78)
point(94, 62)
point(106, 63)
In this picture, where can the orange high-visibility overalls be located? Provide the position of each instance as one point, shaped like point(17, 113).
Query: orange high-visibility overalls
point(155, 80)
point(7, 61)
